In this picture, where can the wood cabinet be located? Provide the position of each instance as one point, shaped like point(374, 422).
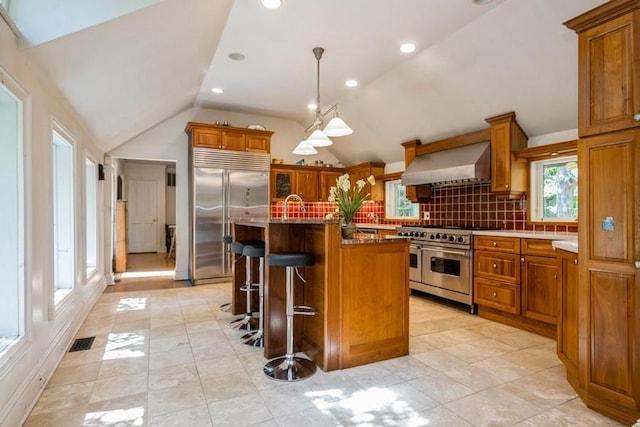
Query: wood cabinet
point(609, 196)
point(568, 318)
point(608, 74)
point(516, 282)
point(540, 280)
point(508, 173)
point(496, 269)
point(204, 135)
point(327, 180)
point(121, 237)
point(307, 184)
point(364, 171)
point(609, 297)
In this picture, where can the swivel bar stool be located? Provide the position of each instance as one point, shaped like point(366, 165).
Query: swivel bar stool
point(256, 338)
point(248, 322)
point(226, 307)
point(291, 368)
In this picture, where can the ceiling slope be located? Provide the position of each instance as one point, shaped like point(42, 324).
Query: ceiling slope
point(130, 73)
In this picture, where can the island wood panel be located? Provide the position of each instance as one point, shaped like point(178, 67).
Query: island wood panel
point(568, 316)
point(374, 302)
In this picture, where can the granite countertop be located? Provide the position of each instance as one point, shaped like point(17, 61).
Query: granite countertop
point(367, 239)
point(377, 226)
point(265, 221)
point(529, 234)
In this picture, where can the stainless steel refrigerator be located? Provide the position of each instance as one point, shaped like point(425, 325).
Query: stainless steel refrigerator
point(224, 185)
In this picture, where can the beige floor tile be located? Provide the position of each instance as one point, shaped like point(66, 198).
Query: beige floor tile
point(70, 417)
point(192, 417)
point(63, 398)
point(288, 398)
point(438, 416)
point(171, 376)
point(124, 366)
point(408, 368)
point(441, 388)
point(177, 398)
point(124, 411)
point(157, 345)
point(74, 374)
point(243, 410)
point(228, 387)
point(219, 367)
point(121, 386)
point(170, 358)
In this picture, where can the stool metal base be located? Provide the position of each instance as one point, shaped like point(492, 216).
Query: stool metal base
point(289, 368)
point(226, 307)
point(247, 323)
point(254, 339)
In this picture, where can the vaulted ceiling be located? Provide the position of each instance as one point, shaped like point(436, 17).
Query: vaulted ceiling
point(127, 66)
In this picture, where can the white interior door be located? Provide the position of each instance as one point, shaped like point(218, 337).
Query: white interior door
point(143, 216)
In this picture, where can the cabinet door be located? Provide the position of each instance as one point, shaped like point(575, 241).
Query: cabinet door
point(540, 283)
point(609, 85)
point(568, 315)
point(258, 143)
point(281, 183)
point(206, 138)
point(233, 141)
point(609, 185)
point(327, 180)
point(306, 185)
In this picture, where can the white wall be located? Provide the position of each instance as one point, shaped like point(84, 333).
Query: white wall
point(170, 201)
point(27, 367)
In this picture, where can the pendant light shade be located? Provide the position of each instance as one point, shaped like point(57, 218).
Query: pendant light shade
point(319, 139)
point(337, 127)
point(305, 149)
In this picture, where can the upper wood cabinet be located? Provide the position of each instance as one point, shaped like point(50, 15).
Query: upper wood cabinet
point(312, 183)
point(307, 184)
point(508, 173)
point(327, 180)
point(364, 171)
point(608, 76)
point(206, 135)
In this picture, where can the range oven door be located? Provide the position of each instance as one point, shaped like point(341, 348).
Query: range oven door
point(447, 269)
point(415, 264)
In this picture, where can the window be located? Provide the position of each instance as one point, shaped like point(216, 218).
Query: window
point(63, 217)
point(554, 190)
point(91, 199)
point(397, 206)
point(12, 258)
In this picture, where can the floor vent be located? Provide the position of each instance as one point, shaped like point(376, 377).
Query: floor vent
point(82, 344)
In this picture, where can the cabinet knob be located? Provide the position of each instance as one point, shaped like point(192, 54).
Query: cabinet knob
point(522, 259)
point(495, 294)
point(553, 248)
point(495, 266)
point(555, 276)
point(506, 186)
point(494, 244)
point(636, 117)
point(575, 261)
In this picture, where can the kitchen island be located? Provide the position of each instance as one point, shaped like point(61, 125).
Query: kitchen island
point(358, 287)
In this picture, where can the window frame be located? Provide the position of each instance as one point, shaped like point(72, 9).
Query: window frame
point(11, 354)
point(389, 204)
point(65, 301)
point(91, 271)
point(555, 152)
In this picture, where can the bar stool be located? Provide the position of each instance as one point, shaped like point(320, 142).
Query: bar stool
point(226, 307)
point(256, 338)
point(290, 367)
point(248, 322)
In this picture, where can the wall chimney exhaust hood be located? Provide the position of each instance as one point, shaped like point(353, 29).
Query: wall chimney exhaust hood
point(470, 163)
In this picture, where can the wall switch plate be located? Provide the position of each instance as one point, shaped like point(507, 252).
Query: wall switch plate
point(426, 215)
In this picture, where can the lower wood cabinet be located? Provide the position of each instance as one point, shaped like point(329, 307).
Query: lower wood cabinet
point(516, 281)
point(568, 318)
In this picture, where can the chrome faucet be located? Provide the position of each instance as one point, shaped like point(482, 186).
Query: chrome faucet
point(374, 217)
point(285, 211)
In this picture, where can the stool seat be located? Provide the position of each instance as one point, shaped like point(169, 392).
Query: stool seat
point(253, 251)
point(237, 247)
point(291, 259)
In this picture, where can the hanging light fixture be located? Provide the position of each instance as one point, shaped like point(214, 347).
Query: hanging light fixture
point(305, 149)
point(314, 135)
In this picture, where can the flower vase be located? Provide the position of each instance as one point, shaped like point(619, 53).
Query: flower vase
point(348, 230)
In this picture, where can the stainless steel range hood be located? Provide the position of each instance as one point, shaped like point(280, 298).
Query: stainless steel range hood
point(470, 163)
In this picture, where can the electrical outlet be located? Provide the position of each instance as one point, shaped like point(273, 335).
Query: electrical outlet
point(426, 215)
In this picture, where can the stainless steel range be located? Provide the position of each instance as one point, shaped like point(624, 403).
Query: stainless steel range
point(440, 262)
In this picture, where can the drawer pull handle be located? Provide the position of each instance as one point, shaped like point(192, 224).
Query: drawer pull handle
point(495, 294)
point(575, 261)
point(555, 276)
point(494, 244)
point(495, 266)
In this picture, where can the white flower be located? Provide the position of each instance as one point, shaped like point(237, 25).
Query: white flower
point(371, 180)
point(329, 215)
point(360, 183)
point(331, 198)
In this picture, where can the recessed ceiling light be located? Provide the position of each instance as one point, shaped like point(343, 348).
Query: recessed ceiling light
point(481, 2)
point(271, 4)
point(312, 106)
point(407, 47)
point(351, 83)
point(216, 90)
point(235, 56)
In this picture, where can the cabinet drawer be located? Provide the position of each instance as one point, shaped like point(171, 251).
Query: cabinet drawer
point(497, 243)
point(500, 266)
point(539, 247)
point(499, 295)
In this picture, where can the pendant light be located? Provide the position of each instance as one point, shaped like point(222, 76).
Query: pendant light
point(314, 135)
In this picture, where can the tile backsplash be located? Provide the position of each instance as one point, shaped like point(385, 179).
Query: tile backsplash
point(468, 205)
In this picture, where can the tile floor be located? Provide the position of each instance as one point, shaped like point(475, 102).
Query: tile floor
point(168, 358)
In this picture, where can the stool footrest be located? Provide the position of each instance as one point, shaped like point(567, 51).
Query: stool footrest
point(304, 310)
point(253, 288)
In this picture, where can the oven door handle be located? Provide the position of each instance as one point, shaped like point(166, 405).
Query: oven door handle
point(447, 251)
